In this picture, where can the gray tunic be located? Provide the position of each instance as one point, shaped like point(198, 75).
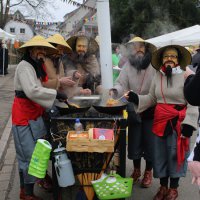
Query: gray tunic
point(139, 131)
point(130, 79)
point(26, 80)
point(165, 148)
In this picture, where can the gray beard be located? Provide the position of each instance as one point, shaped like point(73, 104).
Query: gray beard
point(140, 62)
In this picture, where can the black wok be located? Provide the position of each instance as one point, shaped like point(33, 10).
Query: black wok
point(64, 109)
point(112, 110)
point(83, 103)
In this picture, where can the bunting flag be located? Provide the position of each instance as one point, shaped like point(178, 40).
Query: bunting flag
point(47, 25)
point(79, 4)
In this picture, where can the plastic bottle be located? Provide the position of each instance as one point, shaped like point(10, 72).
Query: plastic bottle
point(78, 126)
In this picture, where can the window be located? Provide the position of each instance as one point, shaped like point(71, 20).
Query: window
point(12, 30)
point(22, 30)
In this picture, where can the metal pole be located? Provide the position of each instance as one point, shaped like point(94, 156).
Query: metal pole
point(3, 61)
point(103, 18)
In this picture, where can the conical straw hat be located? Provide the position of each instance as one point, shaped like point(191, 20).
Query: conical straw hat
point(184, 56)
point(58, 39)
point(92, 47)
point(38, 41)
point(152, 47)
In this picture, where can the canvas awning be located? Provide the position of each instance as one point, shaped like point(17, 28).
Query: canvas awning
point(183, 37)
point(6, 35)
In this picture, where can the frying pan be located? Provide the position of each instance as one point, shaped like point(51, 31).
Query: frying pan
point(64, 109)
point(112, 110)
point(83, 102)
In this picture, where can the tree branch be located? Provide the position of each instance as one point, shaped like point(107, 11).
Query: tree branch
point(16, 4)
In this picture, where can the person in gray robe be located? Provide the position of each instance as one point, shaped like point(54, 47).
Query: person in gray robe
point(174, 118)
point(137, 75)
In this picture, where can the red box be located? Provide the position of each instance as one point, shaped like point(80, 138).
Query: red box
point(103, 134)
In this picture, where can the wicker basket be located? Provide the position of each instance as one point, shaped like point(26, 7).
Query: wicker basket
point(88, 144)
point(116, 189)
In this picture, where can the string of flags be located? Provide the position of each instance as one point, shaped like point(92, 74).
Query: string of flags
point(38, 24)
point(78, 4)
point(48, 26)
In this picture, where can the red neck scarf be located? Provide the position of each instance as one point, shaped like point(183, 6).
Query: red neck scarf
point(44, 78)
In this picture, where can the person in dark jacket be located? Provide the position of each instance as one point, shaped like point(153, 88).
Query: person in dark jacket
point(192, 87)
point(191, 92)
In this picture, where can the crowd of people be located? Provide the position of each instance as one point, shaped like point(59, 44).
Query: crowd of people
point(162, 108)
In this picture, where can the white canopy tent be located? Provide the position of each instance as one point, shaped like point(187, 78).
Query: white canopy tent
point(192, 39)
point(184, 37)
point(5, 35)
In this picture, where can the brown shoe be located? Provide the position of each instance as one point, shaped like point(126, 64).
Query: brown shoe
point(172, 194)
point(162, 192)
point(136, 175)
point(147, 179)
point(22, 194)
point(31, 197)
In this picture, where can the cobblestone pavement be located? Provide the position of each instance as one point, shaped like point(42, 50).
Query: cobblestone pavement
point(7, 149)
point(9, 179)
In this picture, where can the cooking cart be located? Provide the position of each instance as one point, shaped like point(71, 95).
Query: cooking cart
point(59, 127)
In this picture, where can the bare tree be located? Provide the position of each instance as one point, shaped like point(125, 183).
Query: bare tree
point(31, 8)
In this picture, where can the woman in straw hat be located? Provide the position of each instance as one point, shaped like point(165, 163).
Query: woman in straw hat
point(174, 119)
point(84, 61)
point(137, 75)
point(30, 101)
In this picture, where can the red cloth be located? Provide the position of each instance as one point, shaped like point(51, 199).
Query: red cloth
point(23, 110)
point(163, 113)
point(45, 78)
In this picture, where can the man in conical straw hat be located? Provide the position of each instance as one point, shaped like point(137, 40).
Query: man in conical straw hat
point(137, 74)
point(83, 60)
point(55, 69)
point(31, 99)
point(174, 119)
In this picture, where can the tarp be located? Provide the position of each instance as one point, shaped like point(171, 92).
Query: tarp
point(185, 37)
point(6, 35)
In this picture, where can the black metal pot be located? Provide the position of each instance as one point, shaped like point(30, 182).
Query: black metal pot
point(83, 102)
point(112, 110)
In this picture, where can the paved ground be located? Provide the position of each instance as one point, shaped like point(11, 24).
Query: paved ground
point(9, 180)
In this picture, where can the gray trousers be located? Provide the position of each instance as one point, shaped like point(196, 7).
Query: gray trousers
point(165, 157)
point(140, 139)
point(24, 145)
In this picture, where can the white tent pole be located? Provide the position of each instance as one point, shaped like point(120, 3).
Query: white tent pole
point(103, 15)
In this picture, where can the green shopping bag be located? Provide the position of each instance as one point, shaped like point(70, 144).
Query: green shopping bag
point(40, 159)
point(113, 186)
